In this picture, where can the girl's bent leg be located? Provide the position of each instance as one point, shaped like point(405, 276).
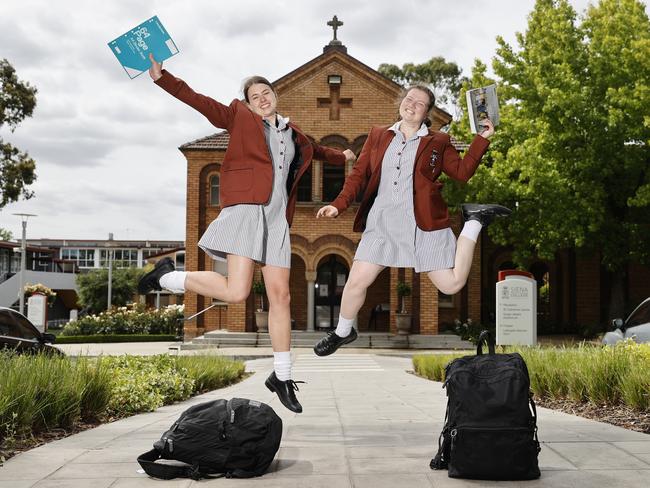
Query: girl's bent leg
point(451, 281)
point(234, 288)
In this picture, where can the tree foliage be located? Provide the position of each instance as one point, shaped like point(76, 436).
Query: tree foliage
point(17, 169)
point(93, 288)
point(441, 76)
point(572, 151)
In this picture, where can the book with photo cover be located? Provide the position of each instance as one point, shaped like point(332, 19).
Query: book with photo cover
point(482, 103)
point(133, 47)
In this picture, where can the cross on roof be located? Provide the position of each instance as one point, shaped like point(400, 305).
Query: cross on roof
point(335, 23)
point(334, 102)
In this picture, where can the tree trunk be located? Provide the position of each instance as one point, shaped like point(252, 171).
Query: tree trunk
point(617, 294)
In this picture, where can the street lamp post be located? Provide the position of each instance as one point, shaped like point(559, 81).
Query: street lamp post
point(110, 270)
point(23, 260)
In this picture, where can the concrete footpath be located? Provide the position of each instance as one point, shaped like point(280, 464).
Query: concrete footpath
point(367, 422)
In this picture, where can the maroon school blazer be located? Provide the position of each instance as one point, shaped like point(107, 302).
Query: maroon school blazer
point(434, 155)
point(247, 170)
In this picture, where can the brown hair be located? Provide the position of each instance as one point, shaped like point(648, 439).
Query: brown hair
point(427, 91)
point(248, 82)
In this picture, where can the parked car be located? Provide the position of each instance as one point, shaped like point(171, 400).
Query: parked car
point(636, 327)
point(19, 334)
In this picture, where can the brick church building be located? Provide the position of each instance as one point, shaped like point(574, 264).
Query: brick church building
point(335, 99)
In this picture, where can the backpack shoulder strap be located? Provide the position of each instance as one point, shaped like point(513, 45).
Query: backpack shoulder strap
point(167, 471)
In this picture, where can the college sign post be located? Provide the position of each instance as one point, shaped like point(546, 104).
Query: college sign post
point(516, 308)
point(37, 310)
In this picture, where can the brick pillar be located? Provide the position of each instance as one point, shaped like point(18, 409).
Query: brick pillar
point(428, 306)
point(236, 317)
point(474, 286)
point(394, 302)
point(190, 330)
point(316, 178)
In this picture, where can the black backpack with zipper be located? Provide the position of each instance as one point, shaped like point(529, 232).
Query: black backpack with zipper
point(235, 438)
point(490, 429)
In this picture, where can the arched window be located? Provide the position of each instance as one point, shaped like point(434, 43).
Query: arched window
point(333, 176)
point(214, 190)
point(304, 186)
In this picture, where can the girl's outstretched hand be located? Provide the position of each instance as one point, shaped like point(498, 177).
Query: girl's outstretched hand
point(156, 68)
point(327, 211)
point(489, 128)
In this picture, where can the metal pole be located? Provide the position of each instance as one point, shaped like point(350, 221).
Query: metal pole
point(23, 260)
point(110, 272)
point(23, 265)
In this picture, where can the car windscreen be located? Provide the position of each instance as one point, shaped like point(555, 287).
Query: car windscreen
point(639, 316)
point(15, 325)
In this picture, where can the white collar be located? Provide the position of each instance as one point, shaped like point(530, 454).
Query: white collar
point(422, 131)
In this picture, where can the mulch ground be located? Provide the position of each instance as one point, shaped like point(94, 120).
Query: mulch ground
point(619, 415)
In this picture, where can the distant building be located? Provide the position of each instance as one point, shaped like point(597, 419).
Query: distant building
point(56, 262)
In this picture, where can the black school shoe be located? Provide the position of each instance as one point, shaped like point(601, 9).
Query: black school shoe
point(331, 342)
point(483, 213)
point(151, 281)
point(285, 391)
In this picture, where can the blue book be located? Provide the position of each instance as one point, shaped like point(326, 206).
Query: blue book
point(132, 48)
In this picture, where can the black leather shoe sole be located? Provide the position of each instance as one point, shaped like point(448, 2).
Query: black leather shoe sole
point(151, 281)
point(331, 342)
point(483, 213)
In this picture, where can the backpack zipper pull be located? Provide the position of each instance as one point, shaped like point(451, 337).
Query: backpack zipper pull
point(232, 416)
point(171, 445)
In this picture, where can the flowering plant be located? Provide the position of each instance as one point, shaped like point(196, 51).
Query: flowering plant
point(30, 290)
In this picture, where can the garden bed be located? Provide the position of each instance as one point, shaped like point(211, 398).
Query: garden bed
point(609, 384)
point(44, 397)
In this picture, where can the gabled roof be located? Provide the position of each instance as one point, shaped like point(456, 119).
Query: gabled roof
point(214, 141)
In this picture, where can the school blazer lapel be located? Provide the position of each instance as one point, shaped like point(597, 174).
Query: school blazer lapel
point(378, 156)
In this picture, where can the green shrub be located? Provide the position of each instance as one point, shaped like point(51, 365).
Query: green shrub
point(211, 372)
point(115, 338)
point(135, 319)
point(470, 330)
point(142, 384)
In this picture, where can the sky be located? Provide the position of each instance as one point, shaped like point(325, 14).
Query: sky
point(106, 146)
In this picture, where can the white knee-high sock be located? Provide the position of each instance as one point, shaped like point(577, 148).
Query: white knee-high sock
point(471, 230)
point(344, 327)
point(282, 365)
point(174, 281)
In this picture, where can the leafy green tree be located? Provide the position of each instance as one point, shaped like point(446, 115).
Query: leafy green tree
point(93, 288)
point(17, 101)
point(441, 76)
point(572, 153)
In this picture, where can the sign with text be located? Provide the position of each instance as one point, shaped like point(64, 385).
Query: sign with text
point(37, 311)
point(517, 311)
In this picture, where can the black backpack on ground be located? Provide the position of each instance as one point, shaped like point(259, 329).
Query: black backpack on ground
point(235, 438)
point(490, 429)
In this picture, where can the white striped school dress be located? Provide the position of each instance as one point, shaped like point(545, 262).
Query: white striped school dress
point(259, 232)
point(392, 237)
